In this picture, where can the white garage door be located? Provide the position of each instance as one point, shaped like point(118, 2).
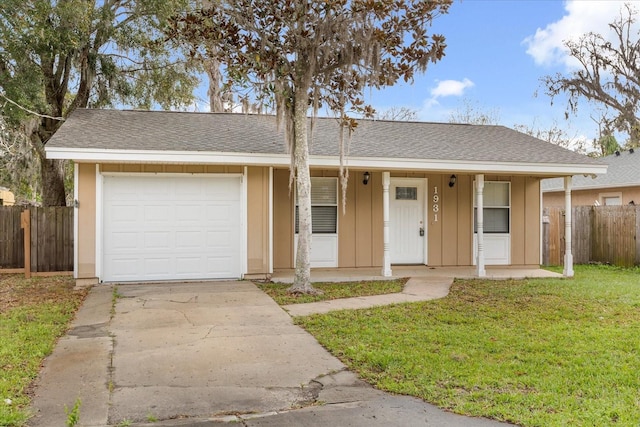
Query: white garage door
point(171, 228)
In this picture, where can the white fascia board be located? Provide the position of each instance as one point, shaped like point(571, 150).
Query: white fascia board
point(257, 159)
point(148, 156)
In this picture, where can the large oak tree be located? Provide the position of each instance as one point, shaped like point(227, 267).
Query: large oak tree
point(608, 74)
point(59, 55)
point(302, 55)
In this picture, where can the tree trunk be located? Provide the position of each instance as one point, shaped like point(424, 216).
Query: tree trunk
point(52, 173)
point(302, 277)
point(212, 66)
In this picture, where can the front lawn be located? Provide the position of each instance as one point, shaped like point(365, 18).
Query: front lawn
point(539, 352)
point(33, 314)
point(278, 291)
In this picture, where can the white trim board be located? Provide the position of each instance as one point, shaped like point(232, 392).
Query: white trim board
point(284, 160)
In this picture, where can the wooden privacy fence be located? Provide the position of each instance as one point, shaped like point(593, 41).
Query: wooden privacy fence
point(606, 234)
point(49, 243)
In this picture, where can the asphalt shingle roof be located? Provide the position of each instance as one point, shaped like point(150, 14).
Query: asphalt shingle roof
point(623, 170)
point(257, 134)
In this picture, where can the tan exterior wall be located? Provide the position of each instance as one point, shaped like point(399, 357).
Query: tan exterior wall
point(450, 237)
point(525, 221)
point(282, 220)
point(360, 227)
point(588, 197)
point(257, 220)
point(86, 220)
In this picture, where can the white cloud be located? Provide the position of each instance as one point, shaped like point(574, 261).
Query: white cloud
point(546, 46)
point(450, 88)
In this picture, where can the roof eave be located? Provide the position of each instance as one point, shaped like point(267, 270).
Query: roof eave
point(593, 187)
point(260, 159)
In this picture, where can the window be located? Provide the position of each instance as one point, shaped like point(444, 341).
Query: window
point(324, 206)
point(497, 206)
point(611, 199)
point(406, 193)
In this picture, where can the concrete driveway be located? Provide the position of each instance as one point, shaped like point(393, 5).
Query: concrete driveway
point(194, 354)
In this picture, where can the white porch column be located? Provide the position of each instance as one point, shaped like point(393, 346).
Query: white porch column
point(480, 221)
point(386, 259)
point(568, 255)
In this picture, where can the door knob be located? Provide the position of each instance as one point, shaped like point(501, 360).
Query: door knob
point(421, 231)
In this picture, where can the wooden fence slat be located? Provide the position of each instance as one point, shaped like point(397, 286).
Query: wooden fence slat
point(67, 248)
point(606, 234)
point(581, 234)
point(11, 240)
point(50, 240)
point(556, 236)
point(25, 224)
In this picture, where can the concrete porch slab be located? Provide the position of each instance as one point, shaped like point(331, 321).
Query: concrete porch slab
point(423, 271)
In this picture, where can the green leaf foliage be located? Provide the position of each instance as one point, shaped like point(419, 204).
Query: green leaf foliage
point(328, 50)
point(59, 55)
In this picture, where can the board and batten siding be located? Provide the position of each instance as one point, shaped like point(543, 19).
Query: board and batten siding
point(359, 226)
point(450, 236)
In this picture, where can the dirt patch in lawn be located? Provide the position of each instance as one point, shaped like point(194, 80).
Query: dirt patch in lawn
point(16, 291)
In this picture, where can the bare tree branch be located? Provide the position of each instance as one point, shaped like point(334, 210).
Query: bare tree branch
point(44, 116)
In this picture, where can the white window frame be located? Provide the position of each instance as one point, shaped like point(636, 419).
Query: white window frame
point(497, 246)
point(324, 246)
point(604, 196)
point(489, 207)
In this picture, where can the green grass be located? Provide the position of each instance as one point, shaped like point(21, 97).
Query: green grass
point(33, 314)
point(279, 291)
point(539, 352)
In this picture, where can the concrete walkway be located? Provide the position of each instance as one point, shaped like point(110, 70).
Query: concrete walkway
point(416, 289)
point(197, 354)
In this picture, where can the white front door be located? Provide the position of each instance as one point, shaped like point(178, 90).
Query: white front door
point(407, 222)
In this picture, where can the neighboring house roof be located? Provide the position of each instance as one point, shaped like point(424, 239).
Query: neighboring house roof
point(113, 135)
point(623, 171)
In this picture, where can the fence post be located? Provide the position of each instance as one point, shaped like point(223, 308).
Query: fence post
point(25, 224)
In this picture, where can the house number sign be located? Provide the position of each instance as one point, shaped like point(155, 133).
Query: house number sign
point(435, 207)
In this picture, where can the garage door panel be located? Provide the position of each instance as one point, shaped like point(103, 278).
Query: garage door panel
point(124, 213)
point(220, 213)
point(162, 213)
point(220, 239)
point(188, 213)
point(157, 240)
point(188, 265)
point(164, 228)
point(220, 263)
point(189, 240)
point(123, 240)
point(125, 267)
point(157, 266)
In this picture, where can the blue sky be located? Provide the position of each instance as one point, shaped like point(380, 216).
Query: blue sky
point(497, 51)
